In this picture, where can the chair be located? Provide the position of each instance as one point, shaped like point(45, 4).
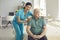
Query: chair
point(10, 18)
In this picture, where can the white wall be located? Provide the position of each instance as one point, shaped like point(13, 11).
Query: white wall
point(52, 8)
point(7, 6)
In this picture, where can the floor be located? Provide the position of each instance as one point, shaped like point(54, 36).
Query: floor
point(53, 32)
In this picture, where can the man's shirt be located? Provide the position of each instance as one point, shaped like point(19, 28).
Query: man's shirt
point(37, 25)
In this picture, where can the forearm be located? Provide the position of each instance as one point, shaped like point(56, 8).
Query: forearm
point(19, 20)
point(29, 32)
point(43, 33)
point(22, 21)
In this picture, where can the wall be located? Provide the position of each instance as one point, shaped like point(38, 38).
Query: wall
point(52, 8)
point(7, 6)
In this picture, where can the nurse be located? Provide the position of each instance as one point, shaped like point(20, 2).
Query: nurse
point(20, 18)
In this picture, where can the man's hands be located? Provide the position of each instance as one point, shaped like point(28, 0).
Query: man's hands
point(34, 36)
point(37, 37)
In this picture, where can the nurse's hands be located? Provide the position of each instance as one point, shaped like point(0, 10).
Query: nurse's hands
point(29, 18)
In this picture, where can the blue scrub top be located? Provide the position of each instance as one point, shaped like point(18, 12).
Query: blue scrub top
point(21, 15)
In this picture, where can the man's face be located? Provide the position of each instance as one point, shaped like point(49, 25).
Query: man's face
point(28, 7)
point(36, 13)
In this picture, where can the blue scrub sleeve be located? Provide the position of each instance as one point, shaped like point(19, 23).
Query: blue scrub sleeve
point(18, 14)
point(30, 13)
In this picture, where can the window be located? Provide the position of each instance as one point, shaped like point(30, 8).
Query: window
point(41, 4)
point(36, 4)
point(59, 10)
point(43, 7)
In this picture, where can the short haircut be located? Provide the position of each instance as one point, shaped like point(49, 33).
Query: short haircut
point(36, 9)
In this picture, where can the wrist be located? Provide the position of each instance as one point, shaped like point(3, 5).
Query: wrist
point(22, 21)
point(41, 36)
point(32, 35)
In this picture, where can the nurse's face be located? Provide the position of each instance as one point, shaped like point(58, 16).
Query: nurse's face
point(28, 7)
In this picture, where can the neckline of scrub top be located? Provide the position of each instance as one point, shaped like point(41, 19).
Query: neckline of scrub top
point(26, 12)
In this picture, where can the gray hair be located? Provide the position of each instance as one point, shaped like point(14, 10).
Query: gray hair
point(36, 9)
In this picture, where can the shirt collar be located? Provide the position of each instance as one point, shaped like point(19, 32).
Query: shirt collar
point(35, 19)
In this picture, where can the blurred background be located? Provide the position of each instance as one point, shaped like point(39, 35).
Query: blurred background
point(50, 9)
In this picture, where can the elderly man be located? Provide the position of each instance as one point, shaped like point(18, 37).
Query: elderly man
point(36, 27)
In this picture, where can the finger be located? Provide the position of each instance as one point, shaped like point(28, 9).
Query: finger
point(36, 39)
